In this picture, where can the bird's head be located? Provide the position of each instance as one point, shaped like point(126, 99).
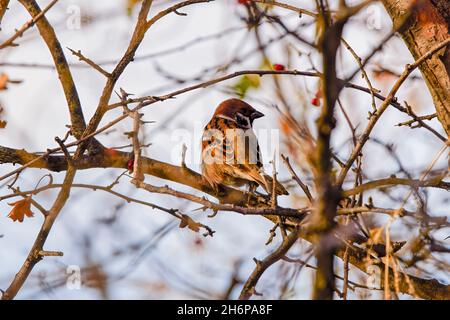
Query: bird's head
point(239, 112)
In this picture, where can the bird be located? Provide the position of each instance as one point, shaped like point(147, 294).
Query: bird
point(230, 151)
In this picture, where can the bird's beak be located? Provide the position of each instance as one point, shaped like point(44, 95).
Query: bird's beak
point(256, 115)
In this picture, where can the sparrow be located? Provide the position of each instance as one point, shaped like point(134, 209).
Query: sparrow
point(230, 149)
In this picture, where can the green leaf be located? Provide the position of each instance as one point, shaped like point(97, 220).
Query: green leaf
point(130, 5)
point(245, 83)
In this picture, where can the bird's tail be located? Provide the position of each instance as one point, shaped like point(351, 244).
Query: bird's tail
point(268, 186)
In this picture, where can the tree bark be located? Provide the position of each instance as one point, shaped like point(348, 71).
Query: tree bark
point(428, 25)
point(3, 8)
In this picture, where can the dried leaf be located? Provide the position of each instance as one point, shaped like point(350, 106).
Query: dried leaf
point(285, 126)
point(129, 134)
point(21, 209)
point(3, 81)
point(111, 152)
point(382, 74)
point(187, 221)
point(2, 122)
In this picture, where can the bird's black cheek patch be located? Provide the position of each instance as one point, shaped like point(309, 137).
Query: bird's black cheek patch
point(242, 121)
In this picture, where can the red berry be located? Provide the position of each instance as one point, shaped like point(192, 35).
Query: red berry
point(243, 1)
point(316, 100)
point(278, 67)
point(130, 165)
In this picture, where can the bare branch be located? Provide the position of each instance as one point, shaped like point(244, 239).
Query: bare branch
point(34, 255)
point(3, 8)
point(376, 116)
point(19, 33)
point(48, 35)
point(249, 288)
point(91, 63)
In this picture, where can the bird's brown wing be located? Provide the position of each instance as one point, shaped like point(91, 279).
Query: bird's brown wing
point(250, 169)
point(214, 142)
point(235, 153)
point(246, 156)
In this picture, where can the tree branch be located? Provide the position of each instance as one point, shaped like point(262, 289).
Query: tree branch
point(327, 194)
point(194, 180)
point(34, 255)
point(429, 25)
point(435, 183)
point(65, 76)
point(3, 8)
point(376, 115)
point(19, 33)
point(249, 287)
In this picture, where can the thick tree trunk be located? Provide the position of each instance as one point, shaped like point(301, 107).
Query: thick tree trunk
point(428, 26)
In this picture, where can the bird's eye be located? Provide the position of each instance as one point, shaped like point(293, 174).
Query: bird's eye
point(242, 121)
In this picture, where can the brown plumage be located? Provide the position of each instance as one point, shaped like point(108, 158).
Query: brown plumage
point(230, 150)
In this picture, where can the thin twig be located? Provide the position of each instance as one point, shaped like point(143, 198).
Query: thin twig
point(298, 180)
point(249, 287)
point(91, 63)
point(376, 116)
point(19, 33)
